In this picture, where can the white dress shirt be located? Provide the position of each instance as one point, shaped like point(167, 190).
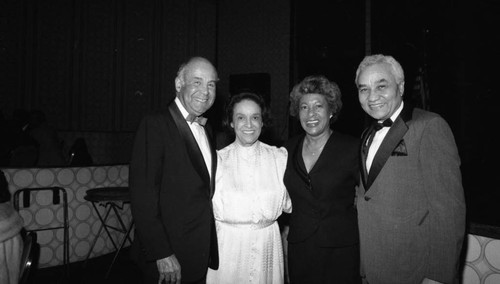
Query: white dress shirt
point(379, 138)
point(200, 136)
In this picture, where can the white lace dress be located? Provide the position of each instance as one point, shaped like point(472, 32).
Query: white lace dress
point(249, 197)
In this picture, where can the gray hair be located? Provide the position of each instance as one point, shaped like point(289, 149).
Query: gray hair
point(370, 60)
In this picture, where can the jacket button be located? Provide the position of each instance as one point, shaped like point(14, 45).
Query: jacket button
point(367, 198)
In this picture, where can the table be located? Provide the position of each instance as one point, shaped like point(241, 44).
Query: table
point(112, 199)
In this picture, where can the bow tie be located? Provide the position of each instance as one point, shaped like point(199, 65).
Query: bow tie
point(198, 119)
point(379, 125)
point(371, 132)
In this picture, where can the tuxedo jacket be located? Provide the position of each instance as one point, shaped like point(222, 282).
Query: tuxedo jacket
point(323, 199)
point(411, 205)
point(171, 193)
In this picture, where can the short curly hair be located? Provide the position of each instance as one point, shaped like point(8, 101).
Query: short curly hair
point(370, 60)
point(317, 84)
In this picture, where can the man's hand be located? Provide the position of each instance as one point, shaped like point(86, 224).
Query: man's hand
point(169, 269)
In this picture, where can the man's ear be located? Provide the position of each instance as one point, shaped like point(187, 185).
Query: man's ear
point(401, 88)
point(178, 84)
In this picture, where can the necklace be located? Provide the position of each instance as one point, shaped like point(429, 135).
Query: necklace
point(318, 149)
point(313, 152)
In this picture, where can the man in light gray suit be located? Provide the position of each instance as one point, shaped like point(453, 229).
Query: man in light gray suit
point(410, 202)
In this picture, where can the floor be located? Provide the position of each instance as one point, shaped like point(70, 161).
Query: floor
point(123, 271)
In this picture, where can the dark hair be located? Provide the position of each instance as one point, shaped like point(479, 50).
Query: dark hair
point(317, 84)
point(4, 189)
point(233, 100)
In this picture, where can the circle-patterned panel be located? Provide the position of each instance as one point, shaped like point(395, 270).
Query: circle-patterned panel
point(44, 216)
point(492, 279)
point(65, 177)
point(82, 248)
point(99, 175)
point(27, 217)
point(470, 276)
point(70, 195)
point(99, 246)
point(44, 198)
point(60, 215)
point(45, 237)
point(83, 212)
point(83, 221)
point(23, 178)
point(83, 176)
point(82, 231)
point(113, 174)
point(60, 253)
point(45, 178)
point(60, 235)
point(124, 173)
point(492, 254)
point(80, 194)
point(46, 254)
point(95, 226)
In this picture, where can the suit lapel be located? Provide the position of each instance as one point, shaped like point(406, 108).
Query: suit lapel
point(211, 142)
point(364, 152)
point(391, 140)
point(298, 161)
point(192, 147)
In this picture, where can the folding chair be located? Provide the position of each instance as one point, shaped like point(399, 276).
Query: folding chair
point(58, 193)
point(29, 258)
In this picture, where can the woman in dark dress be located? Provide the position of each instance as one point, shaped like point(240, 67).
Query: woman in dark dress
point(321, 175)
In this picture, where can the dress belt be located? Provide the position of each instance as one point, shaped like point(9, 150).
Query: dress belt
point(250, 226)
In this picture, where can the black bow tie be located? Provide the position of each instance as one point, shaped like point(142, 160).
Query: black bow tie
point(371, 132)
point(379, 125)
point(198, 119)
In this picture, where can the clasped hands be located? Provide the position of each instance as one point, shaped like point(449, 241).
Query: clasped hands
point(169, 270)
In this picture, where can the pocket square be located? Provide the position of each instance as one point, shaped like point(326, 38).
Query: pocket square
point(400, 149)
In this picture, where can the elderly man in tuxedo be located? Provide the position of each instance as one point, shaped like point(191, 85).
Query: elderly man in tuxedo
point(172, 173)
point(410, 201)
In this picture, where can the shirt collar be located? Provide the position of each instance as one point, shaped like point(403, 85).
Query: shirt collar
point(396, 113)
point(183, 110)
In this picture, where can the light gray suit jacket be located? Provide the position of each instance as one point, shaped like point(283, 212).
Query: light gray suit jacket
point(411, 206)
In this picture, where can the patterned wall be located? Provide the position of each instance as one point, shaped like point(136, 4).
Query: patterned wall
point(482, 261)
point(83, 220)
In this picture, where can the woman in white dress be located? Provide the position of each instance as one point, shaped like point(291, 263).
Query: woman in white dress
point(249, 198)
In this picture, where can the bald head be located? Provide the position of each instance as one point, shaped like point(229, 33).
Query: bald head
point(193, 62)
point(195, 85)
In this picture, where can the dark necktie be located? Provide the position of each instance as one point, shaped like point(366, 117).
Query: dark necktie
point(376, 126)
point(198, 119)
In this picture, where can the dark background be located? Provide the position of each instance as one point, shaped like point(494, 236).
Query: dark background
point(100, 65)
point(451, 44)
